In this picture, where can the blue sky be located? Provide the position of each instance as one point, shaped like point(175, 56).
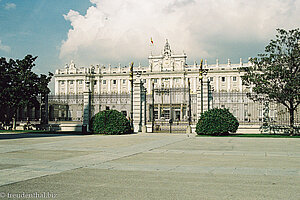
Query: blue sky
point(36, 27)
point(118, 31)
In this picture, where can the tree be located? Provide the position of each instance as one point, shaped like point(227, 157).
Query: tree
point(19, 86)
point(275, 74)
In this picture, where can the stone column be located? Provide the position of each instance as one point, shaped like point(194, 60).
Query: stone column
point(240, 83)
point(57, 87)
point(181, 111)
point(149, 89)
point(136, 105)
point(66, 86)
point(171, 83)
point(195, 84)
point(119, 85)
point(99, 85)
point(75, 86)
point(109, 86)
point(159, 82)
point(217, 83)
point(158, 111)
point(229, 83)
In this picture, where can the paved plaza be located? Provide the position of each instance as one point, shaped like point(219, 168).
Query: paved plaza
point(148, 166)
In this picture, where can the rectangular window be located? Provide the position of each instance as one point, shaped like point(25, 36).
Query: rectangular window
point(155, 80)
point(79, 114)
point(211, 78)
point(124, 81)
point(223, 79)
point(104, 82)
point(71, 82)
point(114, 82)
point(80, 82)
point(95, 82)
point(234, 78)
point(62, 82)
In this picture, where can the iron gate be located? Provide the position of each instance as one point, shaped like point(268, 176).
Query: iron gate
point(171, 109)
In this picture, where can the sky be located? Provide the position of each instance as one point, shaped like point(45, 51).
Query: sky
point(91, 32)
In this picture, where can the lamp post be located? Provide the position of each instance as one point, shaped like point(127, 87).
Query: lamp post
point(201, 73)
point(190, 104)
point(153, 117)
point(210, 96)
point(131, 97)
point(145, 106)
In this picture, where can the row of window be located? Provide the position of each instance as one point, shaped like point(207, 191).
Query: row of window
point(223, 79)
point(71, 82)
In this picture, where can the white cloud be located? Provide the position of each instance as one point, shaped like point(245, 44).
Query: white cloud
point(120, 30)
point(4, 47)
point(9, 6)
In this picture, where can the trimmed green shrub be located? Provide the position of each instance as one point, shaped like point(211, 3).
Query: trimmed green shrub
point(217, 122)
point(111, 122)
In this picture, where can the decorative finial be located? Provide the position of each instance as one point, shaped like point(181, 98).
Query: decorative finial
point(167, 49)
point(229, 62)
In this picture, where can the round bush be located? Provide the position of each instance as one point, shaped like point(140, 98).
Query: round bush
point(217, 122)
point(110, 122)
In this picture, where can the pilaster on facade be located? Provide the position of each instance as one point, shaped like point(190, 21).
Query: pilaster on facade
point(229, 83)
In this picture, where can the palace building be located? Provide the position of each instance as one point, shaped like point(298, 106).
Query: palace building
point(176, 84)
point(167, 69)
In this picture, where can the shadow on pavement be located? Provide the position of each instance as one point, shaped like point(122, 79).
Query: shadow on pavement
point(5, 136)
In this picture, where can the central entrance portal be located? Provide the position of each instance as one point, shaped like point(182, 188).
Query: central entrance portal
point(171, 109)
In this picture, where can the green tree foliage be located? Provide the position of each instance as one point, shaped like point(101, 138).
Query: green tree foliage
point(276, 73)
point(19, 86)
point(110, 122)
point(217, 122)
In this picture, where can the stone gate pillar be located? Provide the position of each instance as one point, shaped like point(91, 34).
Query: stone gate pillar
point(44, 109)
point(136, 106)
point(86, 108)
point(204, 98)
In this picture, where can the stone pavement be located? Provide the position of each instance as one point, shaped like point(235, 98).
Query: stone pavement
point(148, 166)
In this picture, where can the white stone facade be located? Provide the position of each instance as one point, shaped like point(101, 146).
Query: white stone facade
point(167, 69)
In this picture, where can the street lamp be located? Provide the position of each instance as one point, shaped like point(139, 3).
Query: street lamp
point(145, 106)
point(190, 103)
point(131, 96)
point(138, 75)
